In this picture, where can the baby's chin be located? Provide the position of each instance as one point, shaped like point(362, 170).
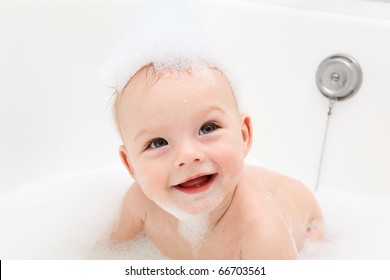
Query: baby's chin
point(187, 206)
point(178, 213)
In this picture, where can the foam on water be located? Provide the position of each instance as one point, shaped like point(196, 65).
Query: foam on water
point(72, 217)
point(59, 218)
point(356, 227)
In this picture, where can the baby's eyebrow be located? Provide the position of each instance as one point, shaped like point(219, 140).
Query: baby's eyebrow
point(141, 134)
point(216, 108)
point(147, 132)
point(209, 110)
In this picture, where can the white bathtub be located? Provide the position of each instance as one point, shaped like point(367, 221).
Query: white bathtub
point(58, 146)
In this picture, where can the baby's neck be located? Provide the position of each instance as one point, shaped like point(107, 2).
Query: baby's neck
point(218, 213)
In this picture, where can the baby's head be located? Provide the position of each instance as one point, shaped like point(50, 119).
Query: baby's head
point(184, 138)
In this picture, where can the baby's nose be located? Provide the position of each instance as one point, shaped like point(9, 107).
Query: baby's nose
point(189, 155)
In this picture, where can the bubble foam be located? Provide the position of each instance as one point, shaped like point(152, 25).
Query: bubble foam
point(195, 229)
point(165, 35)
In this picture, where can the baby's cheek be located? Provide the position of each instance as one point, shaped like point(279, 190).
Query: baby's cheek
point(157, 181)
point(151, 182)
point(232, 161)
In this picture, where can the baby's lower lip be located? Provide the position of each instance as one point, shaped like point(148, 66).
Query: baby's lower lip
point(197, 185)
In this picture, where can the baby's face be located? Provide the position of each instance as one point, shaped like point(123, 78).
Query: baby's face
point(184, 140)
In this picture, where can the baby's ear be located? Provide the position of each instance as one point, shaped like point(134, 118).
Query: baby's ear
point(246, 132)
point(125, 160)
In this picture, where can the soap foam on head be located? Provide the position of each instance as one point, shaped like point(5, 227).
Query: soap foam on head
point(165, 36)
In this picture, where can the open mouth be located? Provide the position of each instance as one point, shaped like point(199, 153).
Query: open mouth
point(196, 185)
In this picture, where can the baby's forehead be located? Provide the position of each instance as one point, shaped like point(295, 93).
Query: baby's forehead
point(164, 93)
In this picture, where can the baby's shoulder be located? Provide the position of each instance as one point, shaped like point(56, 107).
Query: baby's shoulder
point(265, 180)
point(273, 189)
point(256, 192)
point(270, 204)
point(277, 191)
point(131, 217)
point(134, 198)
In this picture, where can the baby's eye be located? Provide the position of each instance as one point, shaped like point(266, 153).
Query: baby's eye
point(208, 128)
point(157, 143)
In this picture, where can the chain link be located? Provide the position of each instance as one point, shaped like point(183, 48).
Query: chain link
point(332, 102)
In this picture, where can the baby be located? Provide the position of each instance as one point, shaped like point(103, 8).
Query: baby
point(184, 143)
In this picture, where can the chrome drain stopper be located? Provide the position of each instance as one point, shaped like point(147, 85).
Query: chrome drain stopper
point(339, 77)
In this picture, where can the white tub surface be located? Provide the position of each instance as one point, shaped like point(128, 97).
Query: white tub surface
point(58, 146)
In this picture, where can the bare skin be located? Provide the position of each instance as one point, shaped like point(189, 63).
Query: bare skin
point(263, 211)
point(194, 164)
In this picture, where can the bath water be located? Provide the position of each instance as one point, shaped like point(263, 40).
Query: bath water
point(72, 217)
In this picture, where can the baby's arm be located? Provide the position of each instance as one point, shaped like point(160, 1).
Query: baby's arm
point(130, 222)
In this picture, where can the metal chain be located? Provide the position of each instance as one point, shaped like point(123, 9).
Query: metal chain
point(332, 101)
